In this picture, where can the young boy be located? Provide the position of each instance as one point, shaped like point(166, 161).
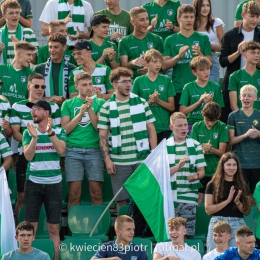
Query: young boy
point(221, 237)
point(247, 75)
point(212, 134)
point(199, 92)
point(158, 91)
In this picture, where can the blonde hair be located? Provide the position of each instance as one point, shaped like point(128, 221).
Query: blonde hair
point(120, 221)
point(152, 54)
point(176, 222)
point(222, 227)
point(248, 89)
point(177, 115)
point(200, 63)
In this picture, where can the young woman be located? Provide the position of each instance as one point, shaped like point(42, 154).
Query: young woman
point(227, 198)
point(213, 28)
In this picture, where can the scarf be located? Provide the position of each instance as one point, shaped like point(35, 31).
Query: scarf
point(77, 15)
point(138, 117)
point(63, 78)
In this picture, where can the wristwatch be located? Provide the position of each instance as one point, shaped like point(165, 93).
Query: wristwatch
point(52, 134)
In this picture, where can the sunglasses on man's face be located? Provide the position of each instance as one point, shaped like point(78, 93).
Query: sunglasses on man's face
point(39, 86)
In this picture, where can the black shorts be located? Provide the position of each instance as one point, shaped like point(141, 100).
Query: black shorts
point(21, 167)
point(35, 194)
point(251, 177)
point(204, 181)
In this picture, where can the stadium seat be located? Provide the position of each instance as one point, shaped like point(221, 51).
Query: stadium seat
point(123, 210)
point(147, 244)
point(46, 245)
point(251, 219)
point(196, 244)
point(82, 219)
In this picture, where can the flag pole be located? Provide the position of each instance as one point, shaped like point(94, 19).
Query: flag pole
point(94, 228)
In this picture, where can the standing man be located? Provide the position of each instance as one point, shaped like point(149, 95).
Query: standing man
point(126, 132)
point(182, 47)
point(43, 146)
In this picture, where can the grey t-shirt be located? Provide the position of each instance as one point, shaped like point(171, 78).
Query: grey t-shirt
point(36, 254)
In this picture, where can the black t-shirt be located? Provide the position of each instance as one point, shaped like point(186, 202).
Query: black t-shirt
point(230, 210)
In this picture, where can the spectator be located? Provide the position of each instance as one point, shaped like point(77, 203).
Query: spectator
point(227, 198)
point(186, 169)
point(5, 127)
point(221, 237)
point(82, 52)
point(180, 48)
point(244, 132)
point(231, 43)
point(247, 75)
point(199, 92)
point(122, 248)
point(103, 51)
point(213, 28)
point(128, 120)
point(120, 25)
point(19, 117)
point(26, 15)
point(42, 148)
point(77, 19)
point(163, 17)
point(56, 70)
point(25, 235)
point(133, 47)
point(212, 134)
point(176, 248)
point(245, 249)
point(158, 91)
point(79, 119)
point(13, 32)
point(256, 196)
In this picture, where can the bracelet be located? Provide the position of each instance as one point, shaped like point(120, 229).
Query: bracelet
point(238, 204)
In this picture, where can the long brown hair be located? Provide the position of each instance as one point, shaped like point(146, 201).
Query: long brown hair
point(197, 4)
point(219, 178)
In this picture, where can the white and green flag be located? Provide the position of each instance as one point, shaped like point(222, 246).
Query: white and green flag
point(7, 226)
point(150, 188)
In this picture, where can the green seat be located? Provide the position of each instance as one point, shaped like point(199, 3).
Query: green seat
point(46, 245)
point(123, 210)
point(251, 219)
point(12, 186)
point(65, 191)
point(82, 219)
point(202, 223)
point(196, 244)
point(146, 244)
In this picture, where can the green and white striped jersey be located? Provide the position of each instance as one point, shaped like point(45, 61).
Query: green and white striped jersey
point(5, 149)
point(4, 111)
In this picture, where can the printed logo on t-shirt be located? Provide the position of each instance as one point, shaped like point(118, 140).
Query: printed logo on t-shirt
point(23, 79)
point(215, 135)
point(133, 257)
point(150, 45)
point(170, 12)
point(255, 122)
point(98, 80)
point(196, 43)
point(161, 88)
point(13, 88)
point(85, 120)
point(188, 54)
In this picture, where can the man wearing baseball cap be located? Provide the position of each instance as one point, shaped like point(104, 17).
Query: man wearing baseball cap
point(43, 146)
point(82, 52)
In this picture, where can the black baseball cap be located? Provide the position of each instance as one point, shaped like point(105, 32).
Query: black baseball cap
point(96, 19)
point(40, 103)
point(81, 45)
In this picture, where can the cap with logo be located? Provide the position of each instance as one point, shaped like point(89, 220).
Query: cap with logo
point(40, 103)
point(81, 45)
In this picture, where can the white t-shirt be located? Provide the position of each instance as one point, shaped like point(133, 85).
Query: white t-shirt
point(166, 248)
point(212, 34)
point(248, 36)
point(50, 13)
point(211, 255)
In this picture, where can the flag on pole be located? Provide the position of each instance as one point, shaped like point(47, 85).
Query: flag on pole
point(150, 188)
point(7, 229)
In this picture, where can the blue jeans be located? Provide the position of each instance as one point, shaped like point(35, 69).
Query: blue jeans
point(235, 223)
point(214, 71)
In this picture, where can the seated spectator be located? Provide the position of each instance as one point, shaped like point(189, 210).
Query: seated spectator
point(199, 92)
point(206, 24)
point(247, 75)
point(227, 198)
point(187, 164)
point(212, 134)
point(158, 91)
point(25, 235)
point(13, 32)
point(245, 249)
point(176, 248)
point(221, 237)
point(122, 248)
point(103, 51)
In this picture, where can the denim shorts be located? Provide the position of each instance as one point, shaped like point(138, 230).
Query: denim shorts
point(35, 194)
point(80, 160)
point(235, 223)
point(215, 70)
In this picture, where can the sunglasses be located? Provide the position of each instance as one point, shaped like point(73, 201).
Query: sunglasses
point(38, 86)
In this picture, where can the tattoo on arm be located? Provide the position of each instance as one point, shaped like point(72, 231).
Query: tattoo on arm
point(104, 146)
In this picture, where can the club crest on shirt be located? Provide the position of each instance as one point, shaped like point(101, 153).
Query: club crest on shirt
point(170, 12)
point(150, 45)
point(23, 79)
point(98, 80)
point(67, 57)
point(255, 122)
point(215, 135)
point(161, 88)
point(133, 257)
point(196, 43)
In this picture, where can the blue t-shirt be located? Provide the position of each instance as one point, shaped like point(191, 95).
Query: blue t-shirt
point(111, 249)
point(36, 254)
point(232, 254)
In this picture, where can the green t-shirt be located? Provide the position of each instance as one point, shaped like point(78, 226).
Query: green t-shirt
point(14, 82)
point(44, 54)
point(84, 130)
point(5, 149)
point(166, 12)
point(217, 134)
point(134, 48)
point(97, 51)
point(191, 94)
point(247, 150)
point(182, 72)
point(240, 78)
point(257, 200)
point(143, 87)
point(44, 168)
point(100, 78)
